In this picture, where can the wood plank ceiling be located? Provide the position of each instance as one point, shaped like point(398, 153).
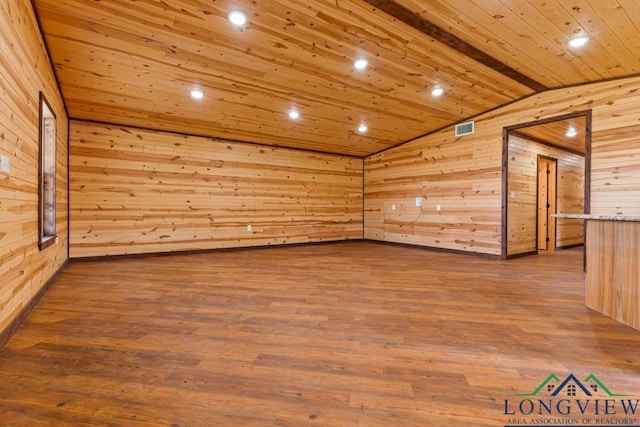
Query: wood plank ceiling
point(134, 63)
point(568, 134)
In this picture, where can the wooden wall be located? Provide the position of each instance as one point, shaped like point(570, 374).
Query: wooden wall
point(615, 173)
point(463, 177)
point(613, 273)
point(24, 72)
point(138, 191)
point(522, 212)
point(464, 174)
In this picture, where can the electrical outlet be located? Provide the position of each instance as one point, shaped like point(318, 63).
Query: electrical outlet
point(512, 195)
point(393, 207)
point(5, 163)
point(437, 207)
point(249, 228)
point(418, 201)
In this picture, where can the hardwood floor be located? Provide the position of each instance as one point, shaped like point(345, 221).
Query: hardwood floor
point(355, 333)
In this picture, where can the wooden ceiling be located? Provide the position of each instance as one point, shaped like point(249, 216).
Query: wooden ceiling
point(134, 62)
point(557, 134)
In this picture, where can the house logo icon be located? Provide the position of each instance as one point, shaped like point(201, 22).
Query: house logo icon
point(572, 387)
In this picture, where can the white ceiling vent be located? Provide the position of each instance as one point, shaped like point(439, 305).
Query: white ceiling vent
point(464, 129)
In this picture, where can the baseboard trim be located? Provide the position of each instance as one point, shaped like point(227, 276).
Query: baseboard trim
point(522, 255)
point(436, 249)
point(211, 250)
point(21, 318)
point(575, 245)
point(263, 247)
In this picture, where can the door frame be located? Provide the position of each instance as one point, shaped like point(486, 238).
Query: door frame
point(551, 222)
point(507, 130)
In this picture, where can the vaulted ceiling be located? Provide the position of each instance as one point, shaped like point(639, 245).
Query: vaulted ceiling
point(134, 62)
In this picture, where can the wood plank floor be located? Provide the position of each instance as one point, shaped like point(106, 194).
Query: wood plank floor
point(354, 334)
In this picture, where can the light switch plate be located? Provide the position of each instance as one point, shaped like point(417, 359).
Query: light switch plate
point(4, 160)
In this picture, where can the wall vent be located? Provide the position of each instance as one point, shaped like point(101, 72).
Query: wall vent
point(464, 129)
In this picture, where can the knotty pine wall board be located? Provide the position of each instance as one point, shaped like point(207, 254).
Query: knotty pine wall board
point(522, 209)
point(140, 191)
point(615, 176)
point(464, 175)
point(25, 71)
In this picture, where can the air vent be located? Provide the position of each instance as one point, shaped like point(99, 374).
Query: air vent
point(464, 129)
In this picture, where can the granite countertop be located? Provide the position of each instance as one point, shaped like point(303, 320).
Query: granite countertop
point(599, 217)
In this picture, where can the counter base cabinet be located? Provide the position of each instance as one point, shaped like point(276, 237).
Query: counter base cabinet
point(613, 274)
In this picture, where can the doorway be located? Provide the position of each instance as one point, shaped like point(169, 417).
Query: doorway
point(546, 205)
point(567, 140)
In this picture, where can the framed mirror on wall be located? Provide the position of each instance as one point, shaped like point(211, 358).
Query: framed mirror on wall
point(47, 175)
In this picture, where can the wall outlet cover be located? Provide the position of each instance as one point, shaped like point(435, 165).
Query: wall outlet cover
point(4, 161)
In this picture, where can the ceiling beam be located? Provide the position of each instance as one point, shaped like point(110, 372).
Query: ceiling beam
point(414, 20)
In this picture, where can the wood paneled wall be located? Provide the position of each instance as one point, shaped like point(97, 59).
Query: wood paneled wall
point(139, 191)
point(613, 273)
point(522, 212)
point(615, 170)
point(463, 174)
point(24, 72)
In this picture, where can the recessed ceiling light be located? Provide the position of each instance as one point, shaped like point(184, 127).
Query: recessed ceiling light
point(437, 91)
point(294, 115)
point(578, 41)
point(362, 128)
point(571, 132)
point(361, 64)
point(197, 94)
point(237, 18)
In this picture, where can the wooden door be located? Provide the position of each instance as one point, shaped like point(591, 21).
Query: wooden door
point(547, 176)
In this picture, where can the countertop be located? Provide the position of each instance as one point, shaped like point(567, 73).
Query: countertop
point(599, 217)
